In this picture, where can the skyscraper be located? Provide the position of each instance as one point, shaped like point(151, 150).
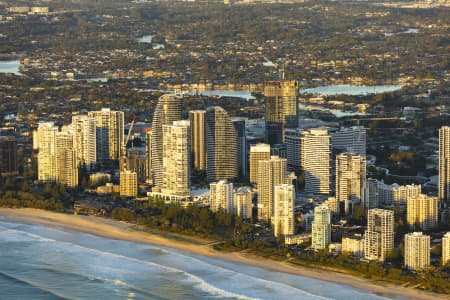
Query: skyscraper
point(281, 109)
point(284, 196)
point(257, 152)
point(417, 251)
point(148, 157)
point(109, 134)
point(167, 111)
point(315, 160)
point(56, 157)
point(350, 139)
point(66, 161)
point(371, 197)
point(270, 173)
point(379, 236)
point(221, 145)
point(221, 196)
point(198, 146)
point(292, 138)
point(8, 155)
point(444, 165)
point(243, 202)
point(241, 146)
point(46, 144)
point(321, 227)
point(128, 184)
point(85, 141)
point(176, 159)
point(446, 248)
point(350, 179)
point(422, 212)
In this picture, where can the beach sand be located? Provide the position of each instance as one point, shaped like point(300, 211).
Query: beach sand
point(123, 231)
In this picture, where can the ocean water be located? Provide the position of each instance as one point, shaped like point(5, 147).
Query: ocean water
point(39, 262)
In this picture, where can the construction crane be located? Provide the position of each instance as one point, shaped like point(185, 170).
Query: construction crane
point(124, 146)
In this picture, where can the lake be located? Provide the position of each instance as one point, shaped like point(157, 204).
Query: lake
point(226, 93)
point(10, 66)
point(353, 90)
point(147, 39)
point(336, 112)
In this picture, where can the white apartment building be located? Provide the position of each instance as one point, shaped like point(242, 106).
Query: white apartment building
point(283, 219)
point(444, 165)
point(422, 212)
point(221, 196)
point(243, 202)
point(350, 139)
point(446, 248)
point(350, 179)
point(379, 236)
point(417, 251)
point(85, 140)
point(109, 133)
point(315, 160)
point(353, 244)
point(258, 152)
point(176, 159)
point(270, 173)
point(321, 227)
point(66, 162)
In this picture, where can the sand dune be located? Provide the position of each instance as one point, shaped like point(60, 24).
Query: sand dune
point(124, 231)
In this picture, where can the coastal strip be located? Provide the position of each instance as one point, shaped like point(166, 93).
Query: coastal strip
point(129, 232)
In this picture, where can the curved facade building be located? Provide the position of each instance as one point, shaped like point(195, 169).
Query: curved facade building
point(167, 111)
point(221, 145)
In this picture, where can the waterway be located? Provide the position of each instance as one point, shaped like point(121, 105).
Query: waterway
point(147, 39)
point(10, 66)
point(353, 90)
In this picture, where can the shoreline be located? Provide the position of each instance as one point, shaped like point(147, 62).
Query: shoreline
point(118, 230)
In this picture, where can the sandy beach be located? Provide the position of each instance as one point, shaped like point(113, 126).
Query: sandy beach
point(124, 231)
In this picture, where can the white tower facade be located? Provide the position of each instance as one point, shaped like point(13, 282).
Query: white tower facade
point(270, 173)
point(350, 179)
point(243, 202)
point(258, 152)
point(446, 248)
point(176, 159)
point(85, 140)
point(66, 161)
point(315, 160)
point(221, 196)
point(167, 111)
point(321, 227)
point(350, 139)
point(422, 212)
point(379, 236)
point(109, 133)
point(444, 165)
point(417, 251)
point(283, 222)
point(46, 137)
